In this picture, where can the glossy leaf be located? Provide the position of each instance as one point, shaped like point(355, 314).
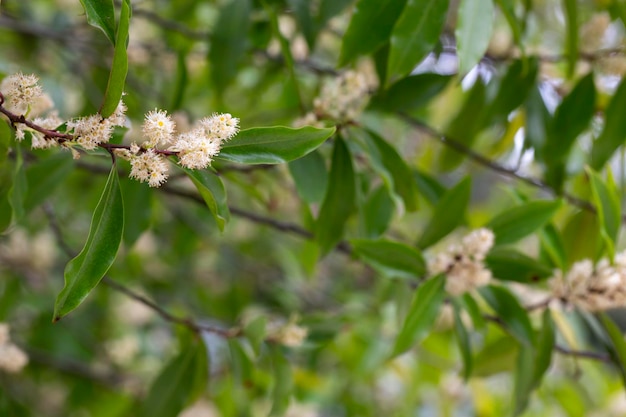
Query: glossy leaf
point(213, 193)
point(463, 340)
point(512, 314)
point(310, 175)
point(581, 236)
point(473, 32)
point(422, 314)
point(180, 382)
point(614, 131)
point(283, 382)
point(415, 34)
point(273, 145)
point(339, 201)
point(119, 67)
point(377, 212)
point(513, 89)
point(393, 259)
point(410, 93)
point(572, 117)
point(85, 271)
point(606, 198)
point(511, 265)
point(101, 14)
point(382, 153)
point(369, 28)
point(520, 221)
point(44, 177)
point(228, 42)
point(445, 219)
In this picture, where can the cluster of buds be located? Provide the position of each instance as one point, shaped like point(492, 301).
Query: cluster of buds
point(592, 288)
point(22, 100)
point(12, 358)
point(463, 264)
point(341, 99)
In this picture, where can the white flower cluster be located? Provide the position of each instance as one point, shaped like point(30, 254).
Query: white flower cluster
point(287, 334)
point(21, 91)
point(592, 288)
point(91, 131)
point(12, 358)
point(195, 149)
point(463, 264)
point(341, 99)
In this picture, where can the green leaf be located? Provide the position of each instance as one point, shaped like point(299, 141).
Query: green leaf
point(429, 187)
point(582, 237)
point(617, 345)
point(44, 177)
point(473, 32)
point(310, 175)
point(510, 312)
point(228, 43)
point(119, 67)
point(339, 200)
point(466, 125)
point(19, 187)
point(86, 270)
point(242, 367)
point(377, 212)
point(180, 382)
point(520, 221)
point(497, 356)
point(393, 259)
point(447, 214)
point(273, 145)
point(523, 379)
point(283, 382)
point(463, 340)
point(213, 193)
point(137, 209)
point(255, 331)
point(101, 14)
point(386, 155)
point(508, 264)
point(369, 28)
point(571, 118)
point(513, 89)
point(571, 39)
point(410, 93)
point(415, 34)
point(422, 314)
point(545, 347)
point(471, 306)
point(538, 123)
point(552, 246)
point(614, 132)
point(606, 198)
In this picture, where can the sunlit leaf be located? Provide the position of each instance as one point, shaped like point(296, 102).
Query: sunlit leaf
point(101, 14)
point(520, 221)
point(473, 32)
point(119, 67)
point(273, 145)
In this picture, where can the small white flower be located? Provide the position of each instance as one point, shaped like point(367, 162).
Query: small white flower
point(149, 167)
point(158, 128)
point(118, 118)
point(220, 126)
point(90, 131)
point(20, 91)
